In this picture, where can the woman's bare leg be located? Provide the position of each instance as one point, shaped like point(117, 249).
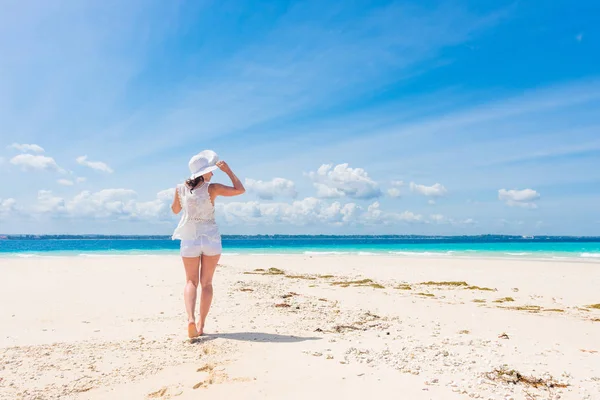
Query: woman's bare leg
point(190, 291)
point(207, 270)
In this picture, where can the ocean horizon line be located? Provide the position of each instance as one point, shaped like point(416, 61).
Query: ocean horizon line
point(487, 236)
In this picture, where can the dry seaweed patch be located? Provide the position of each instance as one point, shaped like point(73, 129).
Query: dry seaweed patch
point(357, 283)
point(594, 306)
point(426, 294)
point(457, 284)
point(553, 309)
point(246, 290)
point(306, 277)
point(346, 328)
point(478, 301)
point(485, 289)
point(282, 305)
point(206, 368)
point(403, 286)
point(446, 283)
point(504, 300)
point(595, 319)
point(514, 377)
point(325, 276)
point(464, 332)
point(529, 308)
point(270, 271)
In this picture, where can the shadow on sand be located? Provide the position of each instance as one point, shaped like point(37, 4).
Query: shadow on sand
point(254, 337)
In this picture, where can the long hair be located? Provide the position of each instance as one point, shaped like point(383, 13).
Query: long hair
point(192, 183)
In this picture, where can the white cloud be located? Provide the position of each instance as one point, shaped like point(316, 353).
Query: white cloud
point(97, 165)
point(106, 204)
point(437, 190)
point(47, 203)
point(341, 180)
point(439, 218)
point(277, 187)
point(442, 219)
point(27, 147)
point(519, 198)
point(326, 192)
point(308, 211)
point(393, 192)
point(65, 182)
point(80, 180)
point(431, 202)
point(300, 212)
point(407, 216)
point(29, 162)
point(7, 206)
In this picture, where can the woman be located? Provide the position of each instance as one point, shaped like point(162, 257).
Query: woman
point(198, 231)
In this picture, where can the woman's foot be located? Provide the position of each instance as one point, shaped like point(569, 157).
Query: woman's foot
point(192, 331)
point(200, 329)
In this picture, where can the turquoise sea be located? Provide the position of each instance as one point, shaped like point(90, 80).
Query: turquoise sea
point(547, 247)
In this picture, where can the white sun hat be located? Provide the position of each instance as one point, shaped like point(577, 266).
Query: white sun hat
point(203, 163)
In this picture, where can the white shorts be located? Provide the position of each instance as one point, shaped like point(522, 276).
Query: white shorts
point(203, 245)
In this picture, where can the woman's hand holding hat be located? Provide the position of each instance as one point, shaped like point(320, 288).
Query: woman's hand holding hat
point(223, 166)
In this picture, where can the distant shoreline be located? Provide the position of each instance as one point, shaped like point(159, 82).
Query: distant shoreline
point(482, 238)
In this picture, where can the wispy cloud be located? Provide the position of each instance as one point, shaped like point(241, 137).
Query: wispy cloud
point(96, 165)
point(34, 148)
point(271, 81)
point(30, 162)
point(519, 198)
point(268, 190)
point(65, 182)
point(435, 190)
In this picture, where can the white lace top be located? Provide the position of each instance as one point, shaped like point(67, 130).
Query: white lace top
point(197, 214)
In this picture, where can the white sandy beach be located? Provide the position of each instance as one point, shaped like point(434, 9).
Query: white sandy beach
point(115, 328)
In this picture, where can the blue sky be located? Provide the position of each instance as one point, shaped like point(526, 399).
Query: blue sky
point(413, 117)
